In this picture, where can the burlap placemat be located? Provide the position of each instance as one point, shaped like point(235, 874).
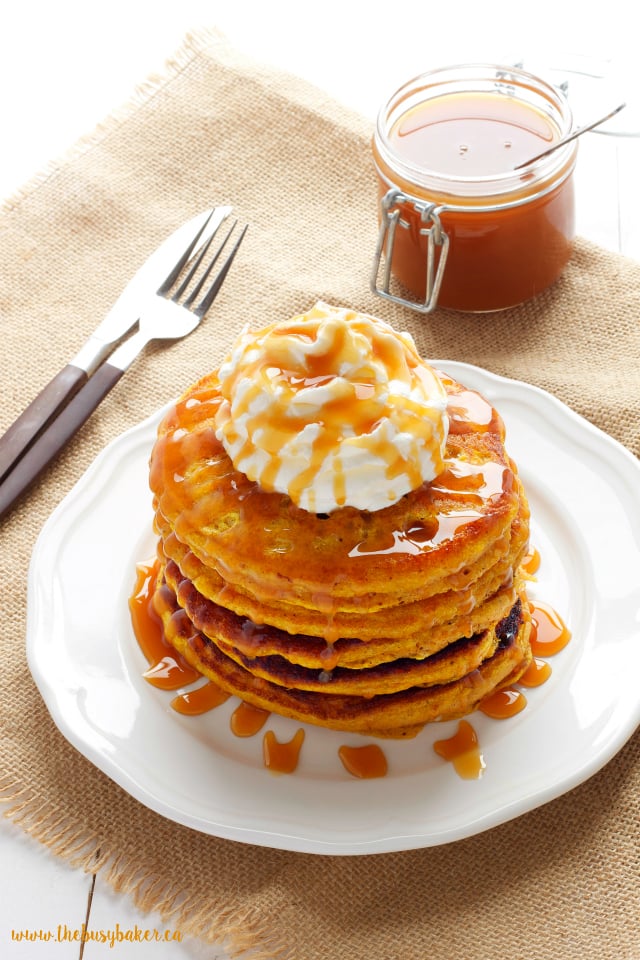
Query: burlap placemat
point(559, 882)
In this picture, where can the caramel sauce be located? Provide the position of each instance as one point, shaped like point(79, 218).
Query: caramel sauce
point(504, 247)
point(247, 720)
point(366, 762)
point(470, 485)
point(194, 702)
point(537, 673)
point(469, 411)
point(503, 704)
point(472, 134)
point(531, 562)
point(278, 370)
point(463, 751)
point(281, 757)
point(168, 670)
point(549, 634)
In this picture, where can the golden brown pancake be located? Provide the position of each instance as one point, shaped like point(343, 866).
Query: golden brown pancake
point(418, 628)
point(377, 622)
point(315, 652)
point(397, 714)
point(230, 632)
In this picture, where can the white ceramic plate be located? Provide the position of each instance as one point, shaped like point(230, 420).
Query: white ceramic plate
point(583, 488)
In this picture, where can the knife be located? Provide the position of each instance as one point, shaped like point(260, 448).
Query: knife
point(120, 320)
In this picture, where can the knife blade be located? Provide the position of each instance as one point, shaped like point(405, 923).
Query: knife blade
point(118, 322)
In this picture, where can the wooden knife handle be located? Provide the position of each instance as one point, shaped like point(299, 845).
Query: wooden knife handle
point(57, 434)
point(37, 415)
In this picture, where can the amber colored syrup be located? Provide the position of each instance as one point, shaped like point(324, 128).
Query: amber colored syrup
point(497, 257)
point(247, 720)
point(192, 703)
point(463, 751)
point(549, 634)
point(359, 405)
point(469, 412)
point(366, 762)
point(281, 757)
point(531, 562)
point(471, 134)
point(537, 673)
point(168, 670)
point(503, 704)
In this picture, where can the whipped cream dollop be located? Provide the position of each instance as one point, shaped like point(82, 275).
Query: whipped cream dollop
point(333, 408)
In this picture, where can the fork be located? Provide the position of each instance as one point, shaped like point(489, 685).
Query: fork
point(172, 312)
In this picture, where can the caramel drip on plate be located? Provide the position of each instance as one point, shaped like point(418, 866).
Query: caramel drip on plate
point(167, 670)
point(549, 634)
point(537, 673)
point(247, 720)
point(463, 751)
point(531, 563)
point(366, 762)
point(205, 698)
point(282, 757)
point(503, 704)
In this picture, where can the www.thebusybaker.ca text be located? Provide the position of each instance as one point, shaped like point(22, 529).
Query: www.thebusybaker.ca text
point(83, 934)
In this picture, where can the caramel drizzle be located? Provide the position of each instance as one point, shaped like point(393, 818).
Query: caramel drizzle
point(359, 404)
point(503, 704)
point(193, 703)
point(365, 763)
point(247, 720)
point(463, 751)
point(537, 673)
point(282, 757)
point(549, 635)
point(471, 485)
point(167, 669)
point(531, 563)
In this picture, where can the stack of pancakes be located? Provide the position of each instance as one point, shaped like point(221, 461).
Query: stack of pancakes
point(371, 622)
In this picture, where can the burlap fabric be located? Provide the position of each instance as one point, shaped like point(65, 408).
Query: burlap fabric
point(562, 881)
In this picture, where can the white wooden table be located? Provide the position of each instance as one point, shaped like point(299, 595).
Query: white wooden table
point(66, 65)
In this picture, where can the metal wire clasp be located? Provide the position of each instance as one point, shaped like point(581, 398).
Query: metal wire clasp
point(390, 210)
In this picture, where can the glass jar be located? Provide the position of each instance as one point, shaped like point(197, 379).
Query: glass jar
point(468, 219)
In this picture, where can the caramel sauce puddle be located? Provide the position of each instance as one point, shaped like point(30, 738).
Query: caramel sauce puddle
point(167, 669)
point(365, 762)
point(282, 757)
point(463, 751)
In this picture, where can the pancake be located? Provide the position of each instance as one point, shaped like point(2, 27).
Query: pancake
point(448, 614)
point(228, 632)
point(375, 622)
point(264, 639)
point(397, 714)
point(442, 535)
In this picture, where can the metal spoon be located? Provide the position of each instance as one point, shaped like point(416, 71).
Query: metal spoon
point(570, 136)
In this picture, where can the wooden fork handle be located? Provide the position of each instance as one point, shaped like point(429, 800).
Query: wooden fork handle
point(37, 415)
point(57, 434)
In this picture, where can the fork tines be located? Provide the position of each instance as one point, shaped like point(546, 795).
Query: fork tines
point(226, 246)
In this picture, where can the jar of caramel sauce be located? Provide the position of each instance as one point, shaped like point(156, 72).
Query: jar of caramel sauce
point(468, 219)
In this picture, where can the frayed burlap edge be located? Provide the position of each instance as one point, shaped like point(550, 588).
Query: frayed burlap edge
point(194, 44)
point(239, 933)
